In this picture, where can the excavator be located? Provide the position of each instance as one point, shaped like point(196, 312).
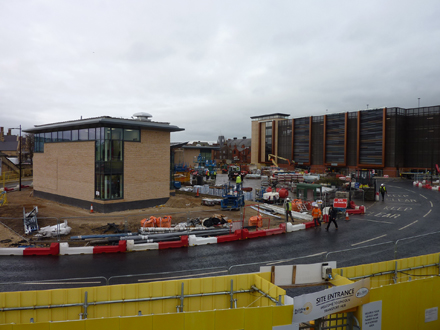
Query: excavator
point(275, 158)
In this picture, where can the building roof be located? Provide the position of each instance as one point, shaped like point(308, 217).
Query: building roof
point(202, 147)
point(271, 115)
point(240, 143)
point(10, 143)
point(104, 121)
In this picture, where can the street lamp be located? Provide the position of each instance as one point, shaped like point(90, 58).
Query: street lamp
point(19, 158)
point(418, 102)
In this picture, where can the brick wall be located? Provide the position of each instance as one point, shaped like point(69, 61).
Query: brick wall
point(66, 169)
point(147, 167)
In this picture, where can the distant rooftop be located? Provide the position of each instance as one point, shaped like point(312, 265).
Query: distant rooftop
point(271, 116)
point(105, 121)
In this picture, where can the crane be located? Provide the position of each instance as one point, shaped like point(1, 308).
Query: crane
point(274, 160)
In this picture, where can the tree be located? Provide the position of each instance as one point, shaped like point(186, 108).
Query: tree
point(29, 143)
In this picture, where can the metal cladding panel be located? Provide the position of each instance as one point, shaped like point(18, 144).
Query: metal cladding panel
point(318, 140)
point(422, 137)
point(352, 139)
point(335, 139)
point(301, 140)
point(390, 137)
point(284, 140)
point(371, 135)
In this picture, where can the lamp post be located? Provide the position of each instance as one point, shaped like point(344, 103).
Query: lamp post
point(418, 103)
point(19, 158)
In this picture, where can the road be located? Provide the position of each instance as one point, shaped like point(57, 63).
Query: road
point(406, 212)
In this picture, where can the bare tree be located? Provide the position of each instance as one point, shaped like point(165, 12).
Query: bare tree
point(29, 142)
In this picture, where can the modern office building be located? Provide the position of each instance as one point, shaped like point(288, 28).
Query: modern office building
point(113, 163)
point(388, 140)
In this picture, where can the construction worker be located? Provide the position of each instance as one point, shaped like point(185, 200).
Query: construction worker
point(288, 209)
point(316, 215)
point(238, 182)
point(383, 191)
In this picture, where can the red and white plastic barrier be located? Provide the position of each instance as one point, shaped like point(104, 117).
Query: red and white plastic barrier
point(141, 247)
point(193, 240)
point(65, 249)
point(291, 227)
point(121, 247)
point(17, 251)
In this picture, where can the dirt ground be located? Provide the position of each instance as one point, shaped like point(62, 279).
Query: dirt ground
point(181, 207)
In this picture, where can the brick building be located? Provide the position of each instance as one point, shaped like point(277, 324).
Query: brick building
point(234, 150)
point(115, 164)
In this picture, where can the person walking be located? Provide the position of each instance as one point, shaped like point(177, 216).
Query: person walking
point(383, 191)
point(238, 182)
point(332, 217)
point(316, 215)
point(288, 209)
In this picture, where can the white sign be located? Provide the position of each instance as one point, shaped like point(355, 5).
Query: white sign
point(431, 314)
point(334, 300)
point(372, 315)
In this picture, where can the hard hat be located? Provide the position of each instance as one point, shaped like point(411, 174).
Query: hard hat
point(314, 204)
point(287, 199)
point(382, 184)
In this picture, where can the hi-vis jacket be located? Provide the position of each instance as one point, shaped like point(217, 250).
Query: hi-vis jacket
point(316, 213)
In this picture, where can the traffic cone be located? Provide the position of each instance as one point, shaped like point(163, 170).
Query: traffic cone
point(197, 194)
point(346, 216)
point(91, 208)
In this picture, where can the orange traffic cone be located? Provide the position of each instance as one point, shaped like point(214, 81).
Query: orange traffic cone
point(346, 216)
point(91, 208)
point(197, 194)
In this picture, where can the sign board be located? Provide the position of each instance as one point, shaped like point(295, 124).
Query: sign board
point(334, 164)
point(340, 203)
point(356, 185)
point(334, 300)
point(386, 176)
point(372, 315)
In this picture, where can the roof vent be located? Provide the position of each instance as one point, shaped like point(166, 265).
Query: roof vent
point(142, 116)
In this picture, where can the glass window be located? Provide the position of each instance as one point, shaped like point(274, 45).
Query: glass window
point(47, 137)
point(84, 134)
point(116, 153)
point(54, 136)
point(91, 134)
point(131, 135)
point(116, 133)
point(107, 133)
point(75, 135)
point(67, 136)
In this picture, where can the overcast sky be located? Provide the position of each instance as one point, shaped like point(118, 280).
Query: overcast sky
point(208, 66)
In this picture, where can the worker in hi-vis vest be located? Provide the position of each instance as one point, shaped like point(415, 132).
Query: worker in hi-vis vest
point(383, 191)
point(316, 215)
point(288, 209)
point(238, 182)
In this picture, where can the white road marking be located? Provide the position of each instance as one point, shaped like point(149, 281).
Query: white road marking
point(423, 196)
point(431, 204)
point(409, 225)
point(427, 213)
point(368, 240)
point(281, 261)
point(375, 221)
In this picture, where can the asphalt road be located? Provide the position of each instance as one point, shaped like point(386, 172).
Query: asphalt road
point(406, 212)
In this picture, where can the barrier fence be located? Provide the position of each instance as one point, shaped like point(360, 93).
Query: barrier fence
point(382, 251)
